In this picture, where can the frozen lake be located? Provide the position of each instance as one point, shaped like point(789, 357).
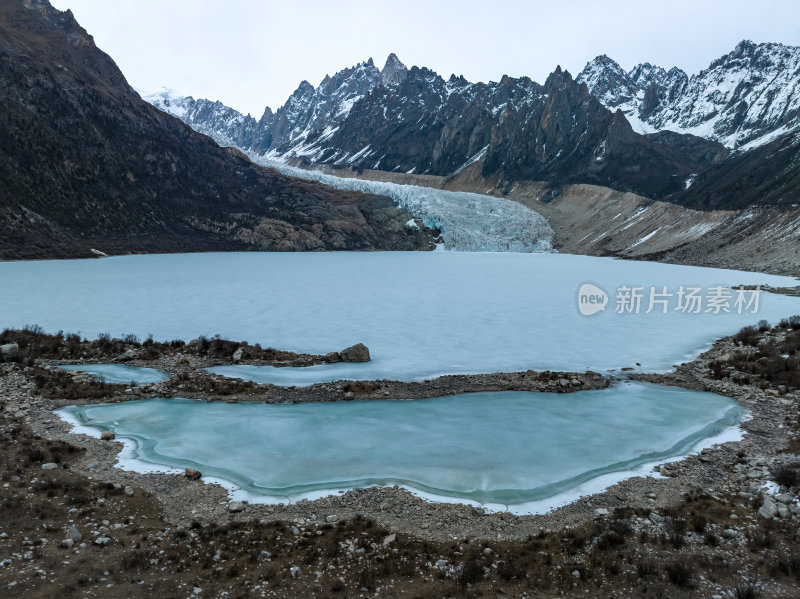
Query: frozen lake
point(120, 374)
point(421, 313)
point(505, 448)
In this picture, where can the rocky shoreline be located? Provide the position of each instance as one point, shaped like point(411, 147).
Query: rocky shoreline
point(398, 508)
point(737, 478)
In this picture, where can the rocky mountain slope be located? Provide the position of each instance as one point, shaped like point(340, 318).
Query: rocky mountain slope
point(744, 99)
point(767, 175)
point(85, 163)
point(412, 120)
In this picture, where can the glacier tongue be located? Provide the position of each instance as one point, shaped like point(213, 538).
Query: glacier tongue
point(469, 222)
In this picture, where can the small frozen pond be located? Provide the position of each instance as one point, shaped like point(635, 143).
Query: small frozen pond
point(120, 374)
point(422, 314)
point(493, 448)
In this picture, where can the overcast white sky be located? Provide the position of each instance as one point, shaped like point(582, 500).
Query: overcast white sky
point(251, 53)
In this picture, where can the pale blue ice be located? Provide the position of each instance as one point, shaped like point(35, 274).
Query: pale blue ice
point(421, 314)
point(505, 447)
point(120, 374)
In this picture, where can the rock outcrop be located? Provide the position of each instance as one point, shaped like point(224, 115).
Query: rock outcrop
point(355, 353)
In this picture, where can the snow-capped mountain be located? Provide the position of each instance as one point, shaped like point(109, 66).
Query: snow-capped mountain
point(222, 123)
point(414, 121)
point(743, 99)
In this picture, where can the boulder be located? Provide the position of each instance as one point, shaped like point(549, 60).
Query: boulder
point(49, 466)
point(10, 351)
point(239, 354)
point(235, 506)
point(768, 509)
point(355, 353)
point(107, 436)
point(192, 474)
point(126, 356)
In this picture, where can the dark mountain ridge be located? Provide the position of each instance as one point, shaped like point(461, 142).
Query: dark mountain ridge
point(412, 120)
point(599, 129)
point(85, 163)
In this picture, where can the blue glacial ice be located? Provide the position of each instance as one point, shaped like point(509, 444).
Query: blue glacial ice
point(470, 222)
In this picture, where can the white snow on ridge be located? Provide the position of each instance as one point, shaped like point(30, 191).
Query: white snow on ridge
point(743, 100)
point(478, 156)
point(469, 222)
point(645, 238)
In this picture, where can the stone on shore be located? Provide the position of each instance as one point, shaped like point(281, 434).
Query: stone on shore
point(126, 356)
point(192, 474)
point(355, 353)
point(107, 436)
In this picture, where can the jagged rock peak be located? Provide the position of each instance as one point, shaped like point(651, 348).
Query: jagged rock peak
point(393, 71)
point(643, 74)
point(557, 79)
point(64, 20)
point(608, 81)
point(304, 88)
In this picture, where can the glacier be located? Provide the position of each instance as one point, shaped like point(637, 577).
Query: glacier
point(469, 222)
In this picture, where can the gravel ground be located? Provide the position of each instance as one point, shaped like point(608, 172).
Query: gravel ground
point(706, 524)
